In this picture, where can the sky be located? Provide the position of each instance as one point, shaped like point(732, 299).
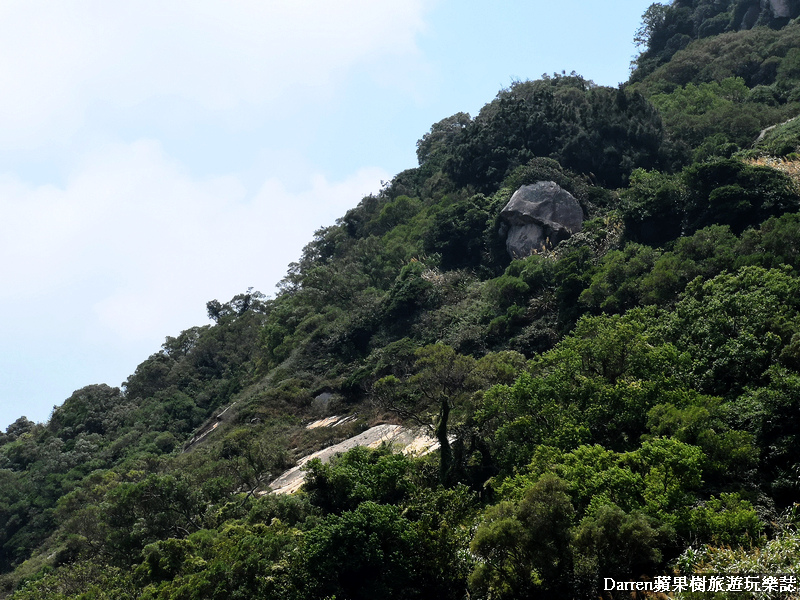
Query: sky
point(155, 155)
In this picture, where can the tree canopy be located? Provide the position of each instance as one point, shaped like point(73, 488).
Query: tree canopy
point(624, 404)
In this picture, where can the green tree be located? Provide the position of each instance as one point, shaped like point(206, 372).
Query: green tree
point(731, 193)
point(429, 397)
point(652, 207)
point(734, 326)
point(375, 552)
point(726, 521)
point(360, 475)
point(672, 475)
point(523, 548)
point(612, 543)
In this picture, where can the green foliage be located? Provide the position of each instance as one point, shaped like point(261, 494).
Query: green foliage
point(727, 521)
point(672, 474)
point(523, 548)
point(457, 233)
point(729, 192)
point(740, 324)
point(723, 30)
point(396, 212)
point(653, 23)
point(507, 290)
point(547, 169)
point(652, 206)
point(612, 543)
point(719, 117)
point(779, 555)
point(781, 140)
point(432, 396)
point(374, 551)
point(593, 130)
point(251, 458)
point(616, 285)
point(769, 413)
point(658, 208)
point(702, 421)
point(92, 409)
point(706, 253)
point(81, 581)
point(434, 145)
point(409, 291)
point(596, 477)
point(144, 511)
point(755, 55)
point(600, 407)
point(236, 562)
point(358, 476)
point(596, 386)
point(209, 364)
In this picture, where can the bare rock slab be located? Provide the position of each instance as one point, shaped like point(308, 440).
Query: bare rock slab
point(539, 216)
point(779, 8)
point(405, 440)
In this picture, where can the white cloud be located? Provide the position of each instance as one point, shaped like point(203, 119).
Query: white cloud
point(136, 246)
point(131, 240)
point(66, 61)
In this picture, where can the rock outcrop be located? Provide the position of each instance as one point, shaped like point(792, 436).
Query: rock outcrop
point(405, 440)
point(539, 216)
point(779, 8)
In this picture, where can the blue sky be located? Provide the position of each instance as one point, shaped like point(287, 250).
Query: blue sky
point(160, 154)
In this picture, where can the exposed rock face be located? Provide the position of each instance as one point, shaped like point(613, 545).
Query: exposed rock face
point(779, 8)
point(321, 403)
point(537, 216)
point(407, 441)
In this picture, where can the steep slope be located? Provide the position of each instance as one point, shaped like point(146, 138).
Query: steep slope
point(602, 405)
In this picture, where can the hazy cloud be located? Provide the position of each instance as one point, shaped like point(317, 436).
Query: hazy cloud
point(136, 240)
point(65, 61)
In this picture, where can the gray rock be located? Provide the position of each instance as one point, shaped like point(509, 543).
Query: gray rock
point(407, 441)
point(539, 216)
point(321, 403)
point(750, 18)
point(779, 8)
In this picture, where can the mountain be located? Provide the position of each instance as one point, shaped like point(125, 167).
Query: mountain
point(620, 402)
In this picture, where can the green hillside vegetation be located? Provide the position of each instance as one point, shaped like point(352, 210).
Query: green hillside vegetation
point(625, 404)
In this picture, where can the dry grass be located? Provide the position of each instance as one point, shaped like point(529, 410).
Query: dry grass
point(789, 165)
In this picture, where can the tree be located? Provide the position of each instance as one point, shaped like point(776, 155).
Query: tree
point(652, 207)
point(457, 233)
point(732, 193)
point(612, 543)
point(438, 142)
point(653, 20)
point(374, 551)
point(672, 474)
point(429, 396)
point(601, 132)
point(357, 476)
point(252, 459)
point(523, 548)
point(238, 305)
point(735, 326)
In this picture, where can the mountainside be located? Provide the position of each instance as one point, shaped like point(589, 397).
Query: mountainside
point(623, 401)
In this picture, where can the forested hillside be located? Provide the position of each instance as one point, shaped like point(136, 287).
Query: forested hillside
point(624, 404)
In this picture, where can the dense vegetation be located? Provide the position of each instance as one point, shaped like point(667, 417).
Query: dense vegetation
point(625, 404)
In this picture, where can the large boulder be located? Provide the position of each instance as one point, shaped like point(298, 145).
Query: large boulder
point(539, 216)
point(779, 8)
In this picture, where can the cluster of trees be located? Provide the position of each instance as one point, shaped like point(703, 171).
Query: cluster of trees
point(596, 130)
point(669, 28)
point(623, 405)
point(717, 94)
point(658, 207)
